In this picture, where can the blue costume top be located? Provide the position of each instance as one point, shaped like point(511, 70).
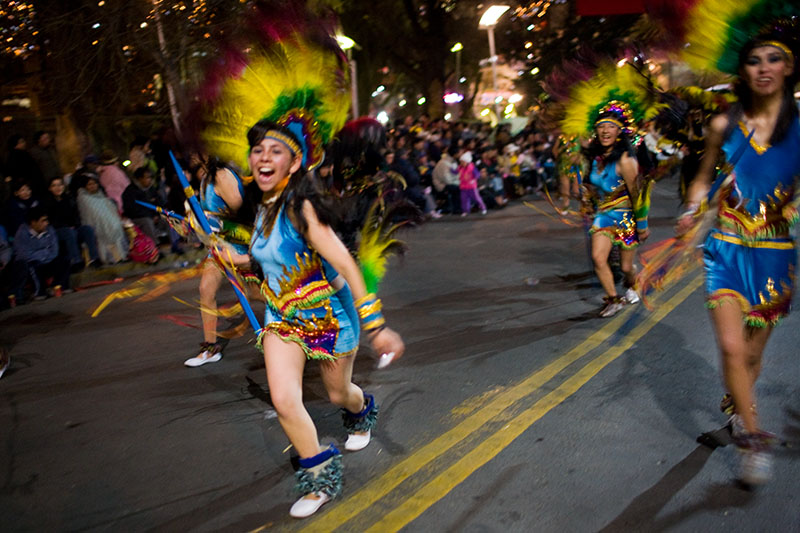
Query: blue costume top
point(302, 305)
point(614, 216)
point(219, 215)
point(744, 260)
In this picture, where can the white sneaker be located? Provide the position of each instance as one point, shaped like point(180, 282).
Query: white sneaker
point(305, 506)
point(736, 426)
point(356, 441)
point(613, 306)
point(631, 296)
point(755, 467)
point(211, 353)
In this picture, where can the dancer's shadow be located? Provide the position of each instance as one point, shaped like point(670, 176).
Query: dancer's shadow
point(640, 515)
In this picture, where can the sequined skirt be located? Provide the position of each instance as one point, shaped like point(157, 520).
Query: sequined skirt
point(758, 275)
point(619, 225)
point(326, 332)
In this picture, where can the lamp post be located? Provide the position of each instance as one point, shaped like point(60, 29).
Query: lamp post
point(488, 22)
point(456, 49)
point(347, 44)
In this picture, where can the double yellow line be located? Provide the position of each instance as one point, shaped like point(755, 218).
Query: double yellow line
point(433, 491)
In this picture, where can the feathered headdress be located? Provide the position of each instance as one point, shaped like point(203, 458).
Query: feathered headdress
point(711, 34)
point(285, 67)
point(619, 94)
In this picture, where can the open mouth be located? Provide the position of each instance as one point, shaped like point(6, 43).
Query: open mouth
point(266, 172)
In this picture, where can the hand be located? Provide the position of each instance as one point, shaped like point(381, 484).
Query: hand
point(685, 223)
point(387, 340)
point(643, 234)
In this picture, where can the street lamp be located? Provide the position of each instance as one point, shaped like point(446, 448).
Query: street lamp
point(456, 49)
point(488, 22)
point(347, 44)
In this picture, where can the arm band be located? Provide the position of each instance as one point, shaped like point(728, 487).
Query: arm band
point(369, 310)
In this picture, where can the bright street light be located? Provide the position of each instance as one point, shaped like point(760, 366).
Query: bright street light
point(488, 22)
point(492, 15)
point(457, 47)
point(345, 42)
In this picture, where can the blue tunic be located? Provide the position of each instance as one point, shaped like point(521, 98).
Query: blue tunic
point(219, 213)
point(302, 305)
point(744, 260)
point(614, 216)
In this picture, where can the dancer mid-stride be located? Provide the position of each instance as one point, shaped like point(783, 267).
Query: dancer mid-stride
point(608, 107)
point(750, 258)
point(222, 194)
point(279, 102)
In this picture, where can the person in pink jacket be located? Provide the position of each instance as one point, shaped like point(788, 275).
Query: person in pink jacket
point(112, 178)
point(468, 184)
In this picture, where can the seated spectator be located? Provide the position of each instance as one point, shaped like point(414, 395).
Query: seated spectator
point(141, 189)
point(62, 211)
point(414, 191)
point(16, 210)
point(445, 181)
point(100, 212)
point(112, 178)
point(151, 223)
point(12, 274)
point(36, 245)
point(87, 169)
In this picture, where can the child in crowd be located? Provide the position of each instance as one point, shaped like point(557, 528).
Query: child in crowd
point(468, 184)
point(37, 246)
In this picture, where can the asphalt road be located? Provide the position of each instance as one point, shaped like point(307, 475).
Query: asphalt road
point(514, 409)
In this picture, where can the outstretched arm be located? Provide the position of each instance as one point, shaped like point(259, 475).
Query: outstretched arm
point(324, 240)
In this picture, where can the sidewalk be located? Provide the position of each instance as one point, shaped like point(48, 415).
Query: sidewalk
point(130, 269)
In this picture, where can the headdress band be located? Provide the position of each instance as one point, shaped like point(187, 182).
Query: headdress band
point(281, 137)
point(610, 120)
point(779, 45)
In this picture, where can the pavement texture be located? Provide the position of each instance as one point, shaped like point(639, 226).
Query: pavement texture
point(515, 407)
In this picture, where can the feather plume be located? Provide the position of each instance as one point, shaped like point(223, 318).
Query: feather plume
point(284, 66)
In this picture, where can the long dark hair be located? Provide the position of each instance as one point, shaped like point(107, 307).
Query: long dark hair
point(303, 185)
point(788, 113)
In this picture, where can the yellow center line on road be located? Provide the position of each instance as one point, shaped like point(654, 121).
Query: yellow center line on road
point(376, 489)
point(439, 487)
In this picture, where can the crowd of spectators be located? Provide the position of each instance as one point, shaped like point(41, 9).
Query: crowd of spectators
point(459, 167)
point(55, 223)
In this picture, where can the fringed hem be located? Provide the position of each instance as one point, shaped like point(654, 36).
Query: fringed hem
point(310, 353)
point(758, 317)
point(615, 238)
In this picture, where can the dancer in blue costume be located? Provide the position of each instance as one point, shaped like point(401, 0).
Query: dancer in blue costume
point(222, 194)
point(750, 259)
point(271, 104)
point(310, 282)
point(613, 182)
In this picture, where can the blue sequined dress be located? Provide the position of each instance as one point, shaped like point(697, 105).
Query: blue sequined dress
point(614, 216)
point(745, 258)
point(302, 305)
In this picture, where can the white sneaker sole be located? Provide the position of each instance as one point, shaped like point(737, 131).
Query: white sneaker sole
point(305, 507)
point(200, 361)
point(357, 442)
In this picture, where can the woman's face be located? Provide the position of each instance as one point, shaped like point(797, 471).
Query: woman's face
point(57, 187)
point(765, 70)
point(92, 187)
point(607, 133)
point(272, 162)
